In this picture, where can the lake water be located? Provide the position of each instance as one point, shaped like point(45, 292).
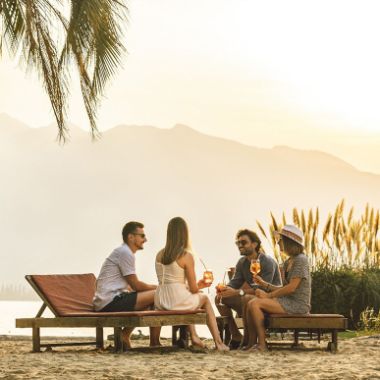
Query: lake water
point(10, 310)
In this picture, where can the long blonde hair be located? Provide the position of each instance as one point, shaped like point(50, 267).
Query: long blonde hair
point(177, 241)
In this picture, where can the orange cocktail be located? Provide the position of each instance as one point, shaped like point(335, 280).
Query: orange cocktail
point(208, 277)
point(255, 267)
point(219, 288)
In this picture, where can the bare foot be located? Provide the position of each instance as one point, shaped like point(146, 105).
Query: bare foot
point(155, 345)
point(257, 348)
point(196, 341)
point(221, 347)
point(248, 347)
point(126, 338)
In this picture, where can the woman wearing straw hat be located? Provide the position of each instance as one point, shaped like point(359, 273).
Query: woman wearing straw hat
point(293, 297)
point(178, 288)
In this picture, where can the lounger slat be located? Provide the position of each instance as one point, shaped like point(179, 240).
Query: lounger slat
point(308, 323)
point(149, 321)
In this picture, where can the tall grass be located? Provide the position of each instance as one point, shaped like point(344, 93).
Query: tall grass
point(341, 241)
point(344, 254)
point(370, 320)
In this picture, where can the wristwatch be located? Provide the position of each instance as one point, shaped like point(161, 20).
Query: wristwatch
point(241, 292)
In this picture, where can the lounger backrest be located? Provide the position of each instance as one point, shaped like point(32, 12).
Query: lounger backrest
point(65, 294)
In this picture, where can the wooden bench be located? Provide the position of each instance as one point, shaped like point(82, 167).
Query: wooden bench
point(69, 297)
point(310, 323)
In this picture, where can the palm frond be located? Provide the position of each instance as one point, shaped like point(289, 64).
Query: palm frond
point(92, 37)
point(94, 40)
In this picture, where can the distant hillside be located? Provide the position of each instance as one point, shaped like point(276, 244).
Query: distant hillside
point(62, 207)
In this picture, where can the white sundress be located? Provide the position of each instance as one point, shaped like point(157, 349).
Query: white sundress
point(172, 292)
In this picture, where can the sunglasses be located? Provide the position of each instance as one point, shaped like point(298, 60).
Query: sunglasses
point(142, 235)
point(241, 243)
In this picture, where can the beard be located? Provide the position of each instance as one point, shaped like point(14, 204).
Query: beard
point(245, 253)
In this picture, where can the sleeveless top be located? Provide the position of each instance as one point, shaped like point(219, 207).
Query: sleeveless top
point(172, 292)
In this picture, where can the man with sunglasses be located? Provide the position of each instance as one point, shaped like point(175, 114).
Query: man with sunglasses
point(118, 287)
point(241, 287)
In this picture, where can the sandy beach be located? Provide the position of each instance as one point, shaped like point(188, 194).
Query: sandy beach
point(357, 358)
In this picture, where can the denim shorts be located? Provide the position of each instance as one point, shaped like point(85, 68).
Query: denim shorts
point(122, 302)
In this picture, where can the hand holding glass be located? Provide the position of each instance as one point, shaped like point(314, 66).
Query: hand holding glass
point(208, 277)
point(219, 288)
point(255, 267)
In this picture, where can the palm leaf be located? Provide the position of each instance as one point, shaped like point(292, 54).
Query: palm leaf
point(92, 37)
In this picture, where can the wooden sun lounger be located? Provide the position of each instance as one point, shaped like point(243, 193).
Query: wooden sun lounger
point(69, 297)
point(310, 323)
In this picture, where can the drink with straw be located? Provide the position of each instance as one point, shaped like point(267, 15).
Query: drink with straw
point(220, 287)
point(208, 277)
point(231, 272)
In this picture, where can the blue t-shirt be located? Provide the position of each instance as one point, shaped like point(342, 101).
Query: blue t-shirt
point(270, 272)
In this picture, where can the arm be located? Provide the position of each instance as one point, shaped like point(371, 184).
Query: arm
point(237, 280)
point(236, 283)
point(126, 263)
point(188, 264)
point(268, 269)
point(280, 291)
point(299, 271)
point(230, 292)
point(138, 285)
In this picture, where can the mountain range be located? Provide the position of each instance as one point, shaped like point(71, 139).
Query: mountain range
point(62, 207)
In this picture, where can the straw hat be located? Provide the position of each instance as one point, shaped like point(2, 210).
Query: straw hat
point(291, 232)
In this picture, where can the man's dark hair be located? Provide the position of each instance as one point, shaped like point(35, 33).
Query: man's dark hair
point(130, 228)
point(252, 236)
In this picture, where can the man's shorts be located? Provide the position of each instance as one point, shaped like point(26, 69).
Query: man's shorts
point(122, 302)
point(235, 303)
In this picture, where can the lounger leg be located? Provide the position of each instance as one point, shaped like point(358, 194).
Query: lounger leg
point(36, 339)
point(227, 333)
point(333, 345)
point(118, 342)
point(220, 322)
point(174, 335)
point(183, 336)
point(296, 338)
point(183, 340)
point(99, 338)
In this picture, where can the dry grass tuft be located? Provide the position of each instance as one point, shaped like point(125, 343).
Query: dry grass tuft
point(341, 241)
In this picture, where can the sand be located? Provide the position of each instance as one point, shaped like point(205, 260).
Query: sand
point(357, 358)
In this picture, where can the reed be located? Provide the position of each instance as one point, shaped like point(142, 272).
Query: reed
point(370, 320)
point(342, 241)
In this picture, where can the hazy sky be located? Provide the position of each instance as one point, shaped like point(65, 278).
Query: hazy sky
point(295, 72)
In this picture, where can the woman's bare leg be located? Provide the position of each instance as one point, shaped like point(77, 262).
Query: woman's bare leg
point(211, 323)
point(256, 309)
point(195, 340)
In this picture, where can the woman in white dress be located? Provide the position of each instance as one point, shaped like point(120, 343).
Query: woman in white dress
point(178, 288)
